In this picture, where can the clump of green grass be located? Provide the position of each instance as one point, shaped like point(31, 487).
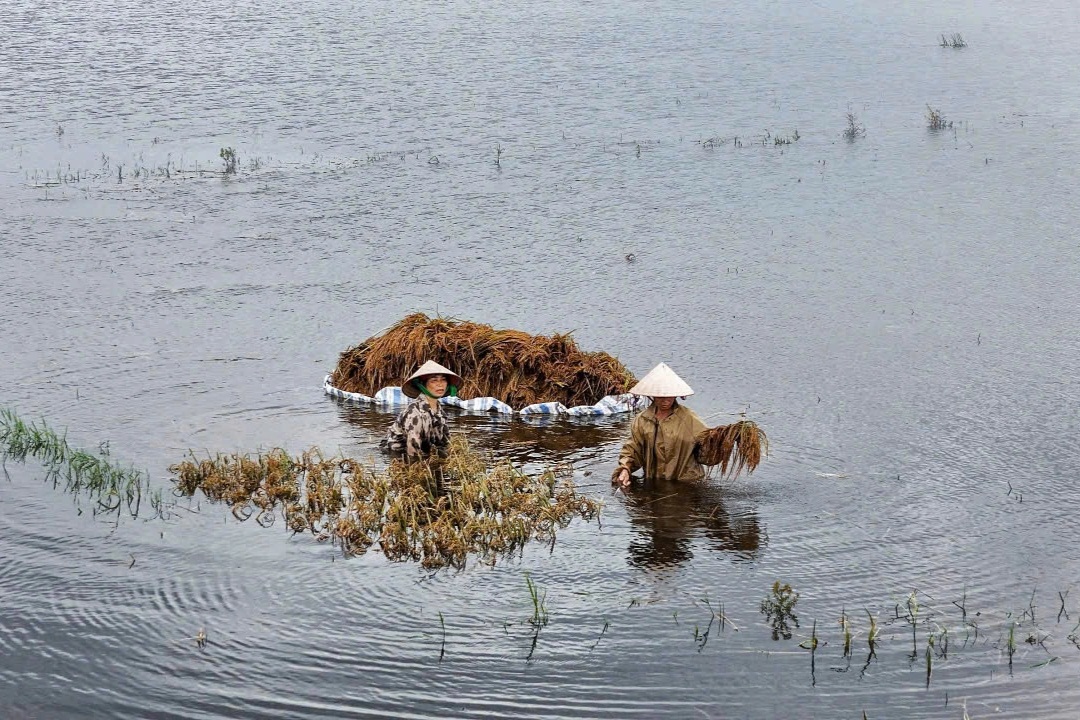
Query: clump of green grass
point(228, 156)
point(779, 609)
point(112, 487)
point(540, 614)
point(436, 512)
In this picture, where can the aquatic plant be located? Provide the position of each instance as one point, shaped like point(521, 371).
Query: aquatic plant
point(732, 447)
point(540, 615)
point(956, 41)
point(854, 130)
point(113, 488)
point(913, 618)
point(436, 512)
point(513, 366)
point(228, 155)
point(779, 610)
point(872, 635)
point(935, 120)
point(788, 140)
point(845, 628)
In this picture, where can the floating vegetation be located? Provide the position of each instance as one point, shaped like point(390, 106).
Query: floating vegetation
point(779, 609)
point(935, 120)
point(782, 140)
point(854, 130)
point(513, 366)
point(956, 40)
point(732, 447)
point(437, 513)
point(113, 488)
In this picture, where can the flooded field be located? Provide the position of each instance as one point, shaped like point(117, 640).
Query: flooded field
point(814, 212)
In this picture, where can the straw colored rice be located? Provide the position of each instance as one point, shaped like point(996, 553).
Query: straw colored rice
point(513, 366)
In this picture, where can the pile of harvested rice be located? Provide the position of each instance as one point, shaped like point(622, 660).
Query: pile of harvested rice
point(513, 366)
point(732, 447)
point(437, 513)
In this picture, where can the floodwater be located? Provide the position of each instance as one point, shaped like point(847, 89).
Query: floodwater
point(898, 311)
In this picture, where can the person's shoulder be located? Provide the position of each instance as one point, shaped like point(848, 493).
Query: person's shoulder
point(690, 414)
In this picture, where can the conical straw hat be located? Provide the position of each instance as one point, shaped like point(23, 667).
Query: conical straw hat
point(429, 368)
point(662, 382)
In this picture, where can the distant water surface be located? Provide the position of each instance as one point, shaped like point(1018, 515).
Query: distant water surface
point(898, 311)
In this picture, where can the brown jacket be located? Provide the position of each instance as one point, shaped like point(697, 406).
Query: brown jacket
point(665, 448)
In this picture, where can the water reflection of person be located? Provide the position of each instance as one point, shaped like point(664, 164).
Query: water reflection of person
point(421, 428)
point(661, 440)
point(669, 514)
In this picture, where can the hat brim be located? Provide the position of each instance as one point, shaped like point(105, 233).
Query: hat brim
point(409, 389)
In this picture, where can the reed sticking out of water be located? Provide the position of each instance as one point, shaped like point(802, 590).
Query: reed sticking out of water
point(913, 617)
point(854, 130)
point(872, 636)
point(929, 657)
point(601, 636)
point(540, 615)
point(732, 447)
point(113, 488)
point(955, 40)
point(442, 648)
point(1010, 646)
point(845, 628)
point(437, 512)
point(935, 120)
point(811, 644)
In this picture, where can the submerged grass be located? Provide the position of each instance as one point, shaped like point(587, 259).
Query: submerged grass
point(437, 512)
point(113, 488)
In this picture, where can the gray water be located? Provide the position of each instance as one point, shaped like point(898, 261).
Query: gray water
point(897, 311)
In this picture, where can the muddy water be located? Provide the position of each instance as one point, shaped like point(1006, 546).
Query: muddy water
point(899, 312)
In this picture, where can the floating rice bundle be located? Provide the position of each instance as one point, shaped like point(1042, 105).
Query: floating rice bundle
point(513, 366)
point(732, 447)
point(436, 513)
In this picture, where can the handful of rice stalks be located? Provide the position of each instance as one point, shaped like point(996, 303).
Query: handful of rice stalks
point(732, 447)
point(513, 366)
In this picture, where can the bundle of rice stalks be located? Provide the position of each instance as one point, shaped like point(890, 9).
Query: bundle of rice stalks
point(513, 366)
point(732, 447)
point(436, 513)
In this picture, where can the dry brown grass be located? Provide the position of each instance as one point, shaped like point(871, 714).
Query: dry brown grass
point(733, 447)
point(436, 513)
point(513, 366)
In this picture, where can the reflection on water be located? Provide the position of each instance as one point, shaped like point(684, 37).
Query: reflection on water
point(542, 440)
point(669, 515)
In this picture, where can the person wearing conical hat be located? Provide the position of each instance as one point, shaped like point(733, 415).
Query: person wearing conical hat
point(421, 427)
point(661, 442)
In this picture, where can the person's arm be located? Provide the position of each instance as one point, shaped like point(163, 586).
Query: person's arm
point(413, 425)
point(696, 427)
point(629, 456)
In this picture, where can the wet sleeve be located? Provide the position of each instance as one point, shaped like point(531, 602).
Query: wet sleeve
point(696, 425)
point(630, 456)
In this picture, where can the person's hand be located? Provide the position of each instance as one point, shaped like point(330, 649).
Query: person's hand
point(622, 478)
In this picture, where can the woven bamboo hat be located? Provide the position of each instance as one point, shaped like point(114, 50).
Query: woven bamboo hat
point(662, 382)
point(429, 368)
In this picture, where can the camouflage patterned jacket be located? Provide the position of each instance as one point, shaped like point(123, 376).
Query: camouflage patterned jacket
point(418, 430)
